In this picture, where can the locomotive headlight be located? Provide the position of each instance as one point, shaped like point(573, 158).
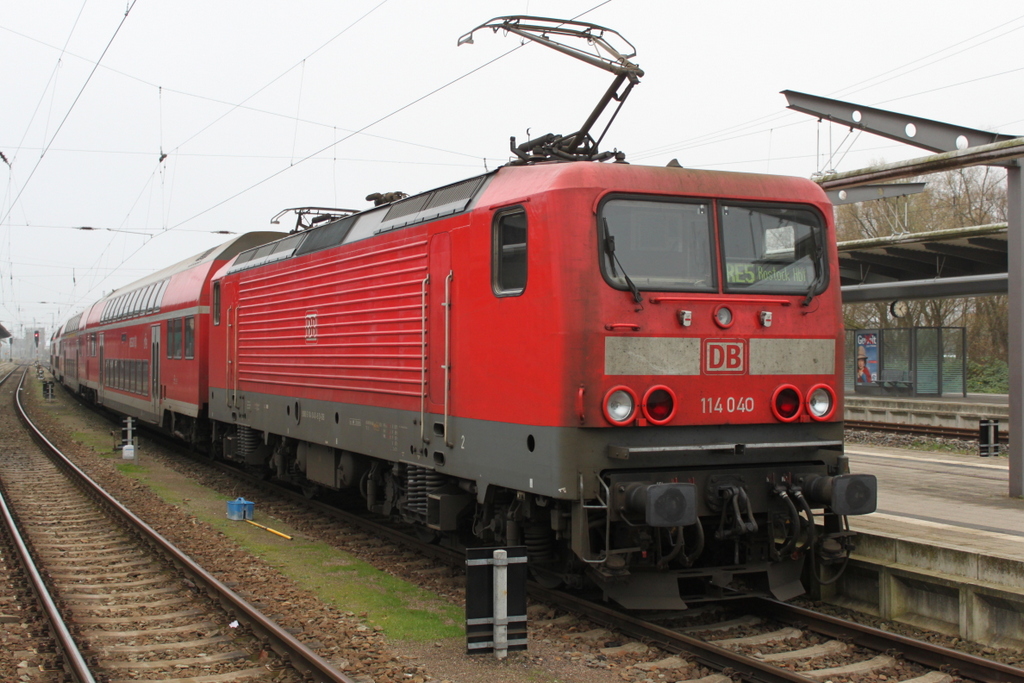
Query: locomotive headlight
point(821, 402)
point(619, 405)
point(723, 316)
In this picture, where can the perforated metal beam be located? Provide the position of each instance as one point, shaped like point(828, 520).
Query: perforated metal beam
point(934, 136)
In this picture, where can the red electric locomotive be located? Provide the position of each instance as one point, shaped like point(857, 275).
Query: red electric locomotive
point(635, 372)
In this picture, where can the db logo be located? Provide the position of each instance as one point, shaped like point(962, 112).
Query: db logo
point(725, 356)
point(311, 327)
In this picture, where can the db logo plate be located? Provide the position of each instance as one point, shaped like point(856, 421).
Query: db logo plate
point(725, 356)
point(311, 325)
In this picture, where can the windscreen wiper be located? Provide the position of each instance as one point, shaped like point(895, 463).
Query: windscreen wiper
point(609, 248)
point(816, 252)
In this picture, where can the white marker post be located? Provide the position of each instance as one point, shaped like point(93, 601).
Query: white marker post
point(128, 441)
point(500, 604)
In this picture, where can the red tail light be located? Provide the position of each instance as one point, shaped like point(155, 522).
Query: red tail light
point(786, 403)
point(659, 405)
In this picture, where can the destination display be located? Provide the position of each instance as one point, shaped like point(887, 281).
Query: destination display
point(800, 273)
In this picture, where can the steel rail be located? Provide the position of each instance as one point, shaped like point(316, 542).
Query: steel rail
point(705, 653)
point(307, 662)
point(74, 661)
point(928, 654)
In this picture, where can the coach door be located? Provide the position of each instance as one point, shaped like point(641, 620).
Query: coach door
point(438, 325)
point(154, 376)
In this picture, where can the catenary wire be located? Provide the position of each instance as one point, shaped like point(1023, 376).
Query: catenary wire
point(70, 109)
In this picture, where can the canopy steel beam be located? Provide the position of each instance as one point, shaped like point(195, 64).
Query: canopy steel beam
point(866, 193)
point(996, 153)
point(934, 136)
point(934, 288)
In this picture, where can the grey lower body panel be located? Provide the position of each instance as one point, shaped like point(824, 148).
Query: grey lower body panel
point(558, 462)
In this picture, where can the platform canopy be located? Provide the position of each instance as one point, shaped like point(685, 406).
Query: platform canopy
point(4, 334)
point(958, 262)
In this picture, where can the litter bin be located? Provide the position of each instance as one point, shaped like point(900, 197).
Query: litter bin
point(241, 509)
point(988, 438)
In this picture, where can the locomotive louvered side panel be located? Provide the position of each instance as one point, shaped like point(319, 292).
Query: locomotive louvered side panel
point(348, 322)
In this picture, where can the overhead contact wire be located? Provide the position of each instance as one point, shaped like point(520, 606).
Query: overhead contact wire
point(350, 135)
point(369, 125)
point(70, 109)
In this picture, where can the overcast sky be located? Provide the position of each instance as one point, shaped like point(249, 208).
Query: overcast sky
point(247, 100)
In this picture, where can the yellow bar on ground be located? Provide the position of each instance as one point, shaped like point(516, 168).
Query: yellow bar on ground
point(266, 528)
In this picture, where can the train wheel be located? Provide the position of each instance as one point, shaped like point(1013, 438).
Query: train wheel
point(427, 535)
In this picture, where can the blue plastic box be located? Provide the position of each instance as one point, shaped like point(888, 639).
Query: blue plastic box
point(240, 509)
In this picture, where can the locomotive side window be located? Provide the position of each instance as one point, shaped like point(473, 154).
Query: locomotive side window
point(773, 249)
point(657, 245)
point(509, 253)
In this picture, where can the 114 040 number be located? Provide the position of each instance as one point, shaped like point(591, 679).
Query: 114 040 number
point(731, 404)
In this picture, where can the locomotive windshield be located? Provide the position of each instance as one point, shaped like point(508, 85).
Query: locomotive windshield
point(660, 245)
point(772, 250)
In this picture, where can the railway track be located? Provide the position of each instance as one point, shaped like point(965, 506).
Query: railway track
point(921, 430)
point(753, 640)
point(140, 609)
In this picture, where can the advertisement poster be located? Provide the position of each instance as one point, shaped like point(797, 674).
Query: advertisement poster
point(867, 357)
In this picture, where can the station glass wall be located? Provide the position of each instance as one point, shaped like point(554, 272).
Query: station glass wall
point(911, 361)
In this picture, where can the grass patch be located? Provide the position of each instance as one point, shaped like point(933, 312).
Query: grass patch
point(131, 469)
point(936, 447)
point(101, 444)
point(403, 611)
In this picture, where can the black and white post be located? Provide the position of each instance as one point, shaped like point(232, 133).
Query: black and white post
point(496, 600)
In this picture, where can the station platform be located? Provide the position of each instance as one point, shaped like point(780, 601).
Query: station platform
point(939, 499)
point(963, 412)
point(945, 549)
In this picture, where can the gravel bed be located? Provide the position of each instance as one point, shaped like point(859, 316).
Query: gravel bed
point(562, 647)
point(911, 441)
point(359, 650)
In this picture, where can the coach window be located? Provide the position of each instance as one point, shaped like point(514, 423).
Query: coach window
point(174, 338)
point(216, 303)
point(190, 337)
point(508, 264)
point(177, 337)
